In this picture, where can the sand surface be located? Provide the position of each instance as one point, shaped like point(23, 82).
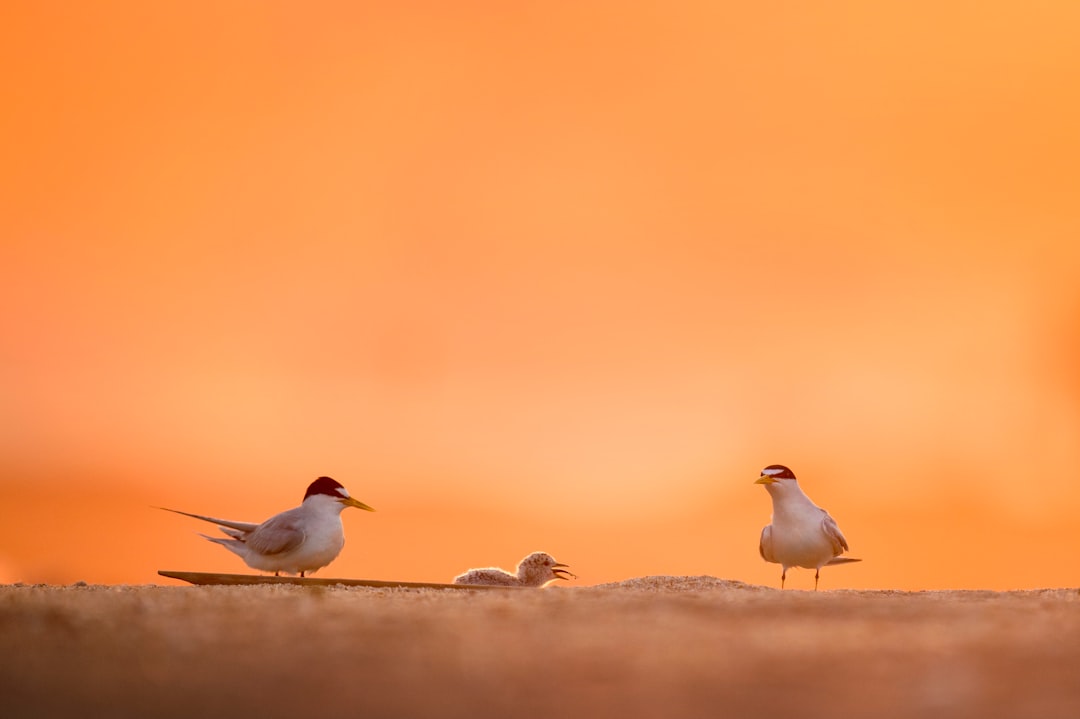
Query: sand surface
point(648, 647)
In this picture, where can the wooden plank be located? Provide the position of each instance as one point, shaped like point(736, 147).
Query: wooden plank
point(206, 578)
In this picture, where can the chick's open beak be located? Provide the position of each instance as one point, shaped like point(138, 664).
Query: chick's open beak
point(558, 570)
point(350, 502)
point(765, 479)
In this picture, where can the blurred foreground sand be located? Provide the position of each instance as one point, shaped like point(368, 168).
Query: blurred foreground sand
point(648, 647)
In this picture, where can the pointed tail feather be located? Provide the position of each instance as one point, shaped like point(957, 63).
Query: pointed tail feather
point(233, 545)
point(841, 560)
point(240, 526)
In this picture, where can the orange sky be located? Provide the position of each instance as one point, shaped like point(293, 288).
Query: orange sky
point(530, 276)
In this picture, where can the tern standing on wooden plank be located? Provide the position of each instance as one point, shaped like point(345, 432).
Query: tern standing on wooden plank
point(802, 534)
point(298, 540)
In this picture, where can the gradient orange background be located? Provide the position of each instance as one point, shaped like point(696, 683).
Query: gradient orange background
point(542, 276)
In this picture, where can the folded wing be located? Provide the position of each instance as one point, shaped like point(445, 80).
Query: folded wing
point(276, 535)
point(765, 544)
point(836, 537)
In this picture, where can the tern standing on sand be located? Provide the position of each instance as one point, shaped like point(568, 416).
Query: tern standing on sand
point(802, 534)
point(298, 540)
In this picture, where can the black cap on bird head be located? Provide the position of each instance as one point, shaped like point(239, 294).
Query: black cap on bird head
point(327, 486)
point(778, 471)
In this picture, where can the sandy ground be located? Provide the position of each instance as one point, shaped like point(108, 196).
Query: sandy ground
point(648, 647)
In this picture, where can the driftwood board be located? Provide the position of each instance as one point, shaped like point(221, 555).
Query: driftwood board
point(211, 578)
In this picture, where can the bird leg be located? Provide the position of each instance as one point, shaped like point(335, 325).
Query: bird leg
point(783, 576)
point(816, 573)
point(301, 575)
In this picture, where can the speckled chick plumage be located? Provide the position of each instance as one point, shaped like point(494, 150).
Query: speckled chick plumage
point(535, 570)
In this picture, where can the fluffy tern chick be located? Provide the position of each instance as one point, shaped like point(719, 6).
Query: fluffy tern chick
point(535, 570)
point(802, 534)
point(298, 540)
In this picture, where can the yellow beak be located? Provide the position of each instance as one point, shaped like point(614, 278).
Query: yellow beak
point(350, 502)
point(765, 479)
